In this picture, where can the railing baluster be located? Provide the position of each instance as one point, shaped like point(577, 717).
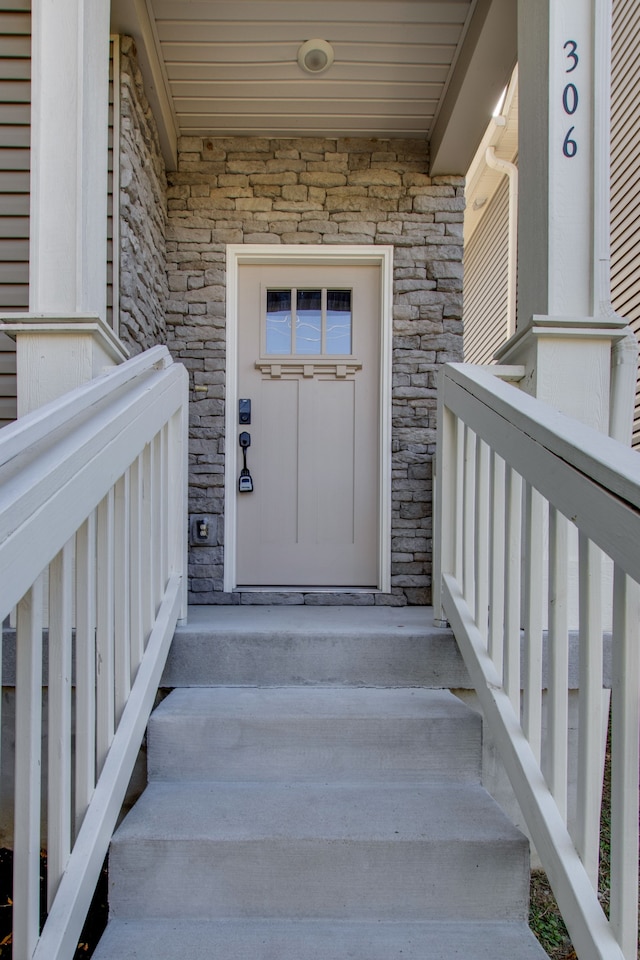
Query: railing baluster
point(587, 828)
point(481, 557)
point(59, 718)
point(468, 516)
point(105, 631)
point(497, 564)
point(156, 501)
point(533, 573)
point(122, 583)
point(26, 859)
point(555, 765)
point(459, 498)
point(513, 538)
point(136, 566)
point(148, 543)
point(164, 507)
point(625, 745)
point(85, 667)
point(444, 519)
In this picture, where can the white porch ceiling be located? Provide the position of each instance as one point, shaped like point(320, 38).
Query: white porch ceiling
point(232, 65)
point(220, 68)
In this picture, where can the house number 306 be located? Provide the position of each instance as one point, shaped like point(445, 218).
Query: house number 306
point(570, 97)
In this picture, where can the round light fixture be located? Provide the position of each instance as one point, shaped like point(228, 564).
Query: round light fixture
point(315, 56)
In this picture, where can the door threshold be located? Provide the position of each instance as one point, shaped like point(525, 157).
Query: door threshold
point(297, 589)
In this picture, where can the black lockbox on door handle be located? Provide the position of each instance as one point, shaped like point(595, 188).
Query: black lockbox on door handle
point(245, 481)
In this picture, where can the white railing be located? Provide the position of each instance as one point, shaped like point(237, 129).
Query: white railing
point(92, 545)
point(514, 479)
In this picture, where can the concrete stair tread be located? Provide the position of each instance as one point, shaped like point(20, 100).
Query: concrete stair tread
point(156, 939)
point(314, 703)
point(314, 733)
point(239, 811)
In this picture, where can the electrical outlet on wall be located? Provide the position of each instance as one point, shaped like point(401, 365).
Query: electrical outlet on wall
point(202, 530)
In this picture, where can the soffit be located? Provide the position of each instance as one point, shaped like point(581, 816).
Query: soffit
point(231, 65)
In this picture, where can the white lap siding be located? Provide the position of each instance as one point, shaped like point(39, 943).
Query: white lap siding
point(625, 171)
point(15, 70)
point(486, 270)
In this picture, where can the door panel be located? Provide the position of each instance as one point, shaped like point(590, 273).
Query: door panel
point(312, 518)
point(277, 415)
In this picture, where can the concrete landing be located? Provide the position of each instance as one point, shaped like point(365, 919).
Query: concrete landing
point(357, 646)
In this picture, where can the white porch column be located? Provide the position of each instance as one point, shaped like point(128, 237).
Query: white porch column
point(64, 340)
point(565, 324)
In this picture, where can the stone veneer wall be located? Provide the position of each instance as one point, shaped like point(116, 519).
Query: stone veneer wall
point(244, 190)
point(143, 210)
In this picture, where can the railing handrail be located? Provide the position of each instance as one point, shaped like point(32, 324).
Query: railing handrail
point(38, 425)
point(557, 453)
point(73, 464)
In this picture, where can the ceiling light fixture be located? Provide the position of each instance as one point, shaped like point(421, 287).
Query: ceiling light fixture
point(315, 56)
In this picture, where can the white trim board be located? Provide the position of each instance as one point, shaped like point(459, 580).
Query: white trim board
point(382, 256)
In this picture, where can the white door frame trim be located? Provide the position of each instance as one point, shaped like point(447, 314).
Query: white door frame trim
point(258, 253)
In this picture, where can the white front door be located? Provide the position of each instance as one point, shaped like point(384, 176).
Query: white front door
point(309, 361)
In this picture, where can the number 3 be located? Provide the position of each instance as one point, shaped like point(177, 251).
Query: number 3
point(572, 55)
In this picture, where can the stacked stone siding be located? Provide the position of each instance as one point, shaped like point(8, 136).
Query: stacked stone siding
point(143, 192)
point(244, 190)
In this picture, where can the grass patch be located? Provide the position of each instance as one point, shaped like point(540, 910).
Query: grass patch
point(545, 919)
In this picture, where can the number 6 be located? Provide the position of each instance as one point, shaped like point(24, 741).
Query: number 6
point(569, 147)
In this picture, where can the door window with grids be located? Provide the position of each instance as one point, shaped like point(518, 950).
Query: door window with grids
point(302, 322)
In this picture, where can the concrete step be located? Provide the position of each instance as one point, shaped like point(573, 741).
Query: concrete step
point(341, 646)
point(313, 851)
point(297, 733)
point(315, 940)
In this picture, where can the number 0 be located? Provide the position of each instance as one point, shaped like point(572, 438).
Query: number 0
point(569, 147)
point(570, 98)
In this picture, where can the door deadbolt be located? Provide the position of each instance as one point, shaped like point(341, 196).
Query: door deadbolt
point(244, 411)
